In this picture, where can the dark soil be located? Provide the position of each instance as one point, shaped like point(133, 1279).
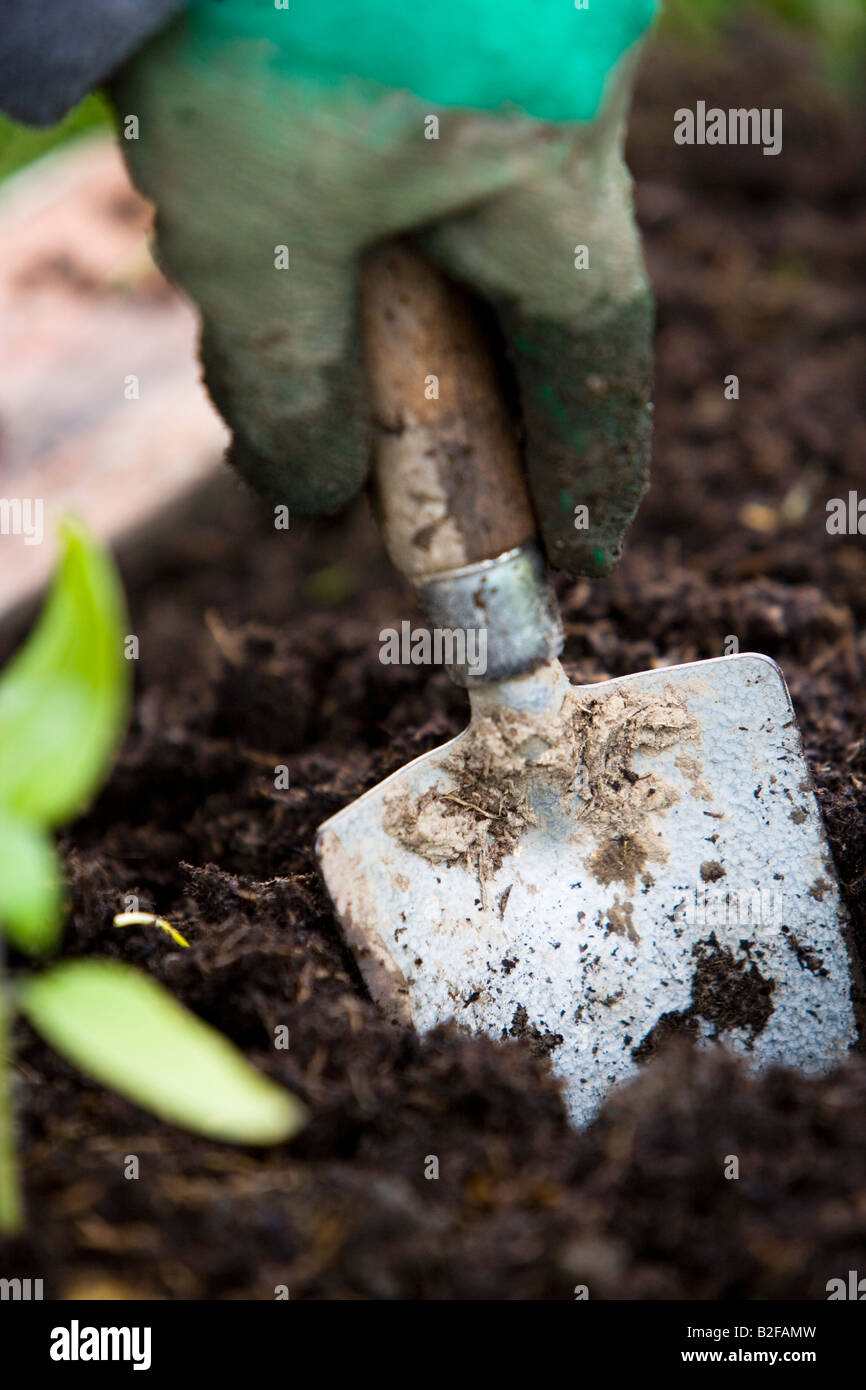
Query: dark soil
point(259, 648)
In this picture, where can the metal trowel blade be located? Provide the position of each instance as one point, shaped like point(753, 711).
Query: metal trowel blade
point(594, 867)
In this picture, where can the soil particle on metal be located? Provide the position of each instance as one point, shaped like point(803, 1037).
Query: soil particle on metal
point(676, 1024)
point(727, 992)
point(620, 919)
point(712, 871)
point(540, 1043)
point(807, 956)
point(583, 751)
point(619, 860)
point(691, 768)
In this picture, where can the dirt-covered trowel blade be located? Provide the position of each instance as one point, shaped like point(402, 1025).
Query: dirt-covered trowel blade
point(595, 867)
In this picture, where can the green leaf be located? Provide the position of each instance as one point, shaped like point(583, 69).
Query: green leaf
point(31, 890)
point(20, 144)
point(64, 696)
point(122, 1028)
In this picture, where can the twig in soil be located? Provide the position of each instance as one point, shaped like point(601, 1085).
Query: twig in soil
point(470, 806)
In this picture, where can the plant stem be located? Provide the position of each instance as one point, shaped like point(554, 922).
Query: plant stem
point(11, 1205)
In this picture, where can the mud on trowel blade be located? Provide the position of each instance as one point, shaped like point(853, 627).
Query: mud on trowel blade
point(594, 867)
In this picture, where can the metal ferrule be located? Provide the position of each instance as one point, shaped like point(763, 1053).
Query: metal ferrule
point(506, 610)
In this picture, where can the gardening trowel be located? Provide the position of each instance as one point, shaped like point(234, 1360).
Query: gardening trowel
point(593, 868)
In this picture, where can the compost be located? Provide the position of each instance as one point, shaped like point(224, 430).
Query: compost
point(259, 650)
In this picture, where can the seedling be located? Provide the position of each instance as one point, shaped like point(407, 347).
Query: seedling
point(63, 705)
point(147, 919)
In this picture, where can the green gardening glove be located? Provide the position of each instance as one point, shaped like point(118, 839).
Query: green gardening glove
point(278, 142)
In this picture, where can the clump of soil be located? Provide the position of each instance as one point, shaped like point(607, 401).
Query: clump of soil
point(474, 821)
point(582, 751)
point(758, 270)
point(728, 991)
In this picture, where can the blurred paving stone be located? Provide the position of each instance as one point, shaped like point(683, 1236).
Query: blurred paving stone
point(83, 311)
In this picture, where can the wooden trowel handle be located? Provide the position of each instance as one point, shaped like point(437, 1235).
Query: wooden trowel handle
point(449, 485)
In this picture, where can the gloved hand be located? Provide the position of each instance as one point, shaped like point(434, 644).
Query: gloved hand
point(308, 128)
